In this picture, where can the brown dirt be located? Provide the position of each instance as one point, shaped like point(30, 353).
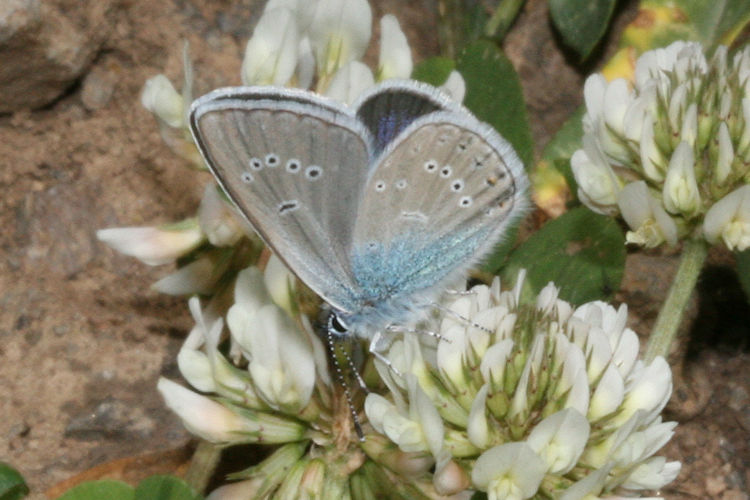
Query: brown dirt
point(83, 339)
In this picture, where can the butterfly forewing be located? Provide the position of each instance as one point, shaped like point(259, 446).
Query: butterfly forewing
point(438, 198)
point(295, 168)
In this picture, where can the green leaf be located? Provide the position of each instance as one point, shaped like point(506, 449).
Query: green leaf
point(566, 141)
point(743, 270)
point(496, 260)
point(434, 70)
point(165, 488)
point(98, 490)
point(494, 95)
point(581, 23)
point(12, 485)
point(583, 253)
point(717, 21)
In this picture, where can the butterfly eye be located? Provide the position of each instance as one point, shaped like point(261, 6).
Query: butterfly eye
point(256, 164)
point(380, 186)
point(401, 184)
point(465, 201)
point(457, 185)
point(246, 177)
point(430, 166)
point(272, 160)
point(446, 171)
point(337, 325)
point(313, 172)
point(292, 166)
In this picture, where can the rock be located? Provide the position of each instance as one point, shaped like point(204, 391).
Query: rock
point(97, 88)
point(46, 45)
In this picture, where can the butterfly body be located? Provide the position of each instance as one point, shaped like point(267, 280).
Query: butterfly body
point(374, 206)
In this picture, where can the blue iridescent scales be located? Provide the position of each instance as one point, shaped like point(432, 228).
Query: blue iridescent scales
point(377, 206)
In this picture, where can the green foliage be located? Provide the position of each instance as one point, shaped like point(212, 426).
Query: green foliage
point(583, 253)
point(495, 96)
point(565, 142)
point(434, 70)
point(162, 487)
point(743, 271)
point(96, 490)
point(151, 488)
point(717, 21)
point(12, 485)
point(581, 23)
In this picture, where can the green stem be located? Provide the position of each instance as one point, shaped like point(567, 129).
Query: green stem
point(670, 317)
point(202, 465)
point(502, 18)
point(449, 12)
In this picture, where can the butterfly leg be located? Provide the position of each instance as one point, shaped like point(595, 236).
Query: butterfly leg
point(418, 331)
point(377, 346)
point(460, 317)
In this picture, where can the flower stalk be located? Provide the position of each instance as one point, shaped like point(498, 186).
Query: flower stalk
point(694, 253)
point(203, 464)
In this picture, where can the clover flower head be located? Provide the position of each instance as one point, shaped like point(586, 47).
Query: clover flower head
point(682, 126)
point(533, 399)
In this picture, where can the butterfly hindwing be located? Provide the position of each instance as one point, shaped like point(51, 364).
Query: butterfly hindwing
point(295, 167)
point(437, 200)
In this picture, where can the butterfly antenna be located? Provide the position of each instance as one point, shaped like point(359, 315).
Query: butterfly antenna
point(342, 380)
point(355, 371)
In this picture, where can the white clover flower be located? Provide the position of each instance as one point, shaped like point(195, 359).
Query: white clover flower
point(598, 186)
point(280, 283)
point(651, 225)
point(217, 423)
point(680, 187)
point(395, 55)
point(350, 81)
point(160, 97)
point(509, 471)
point(339, 32)
point(272, 52)
point(416, 429)
point(281, 361)
point(560, 439)
point(305, 71)
point(682, 127)
point(267, 385)
point(154, 245)
point(197, 277)
point(729, 219)
point(219, 220)
point(530, 396)
point(454, 86)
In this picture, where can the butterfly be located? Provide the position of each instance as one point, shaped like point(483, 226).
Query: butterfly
point(375, 206)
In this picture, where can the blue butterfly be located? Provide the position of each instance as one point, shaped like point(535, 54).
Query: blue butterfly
point(377, 206)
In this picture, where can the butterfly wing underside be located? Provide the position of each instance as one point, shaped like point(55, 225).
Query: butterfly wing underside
point(295, 168)
point(386, 110)
point(437, 200)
